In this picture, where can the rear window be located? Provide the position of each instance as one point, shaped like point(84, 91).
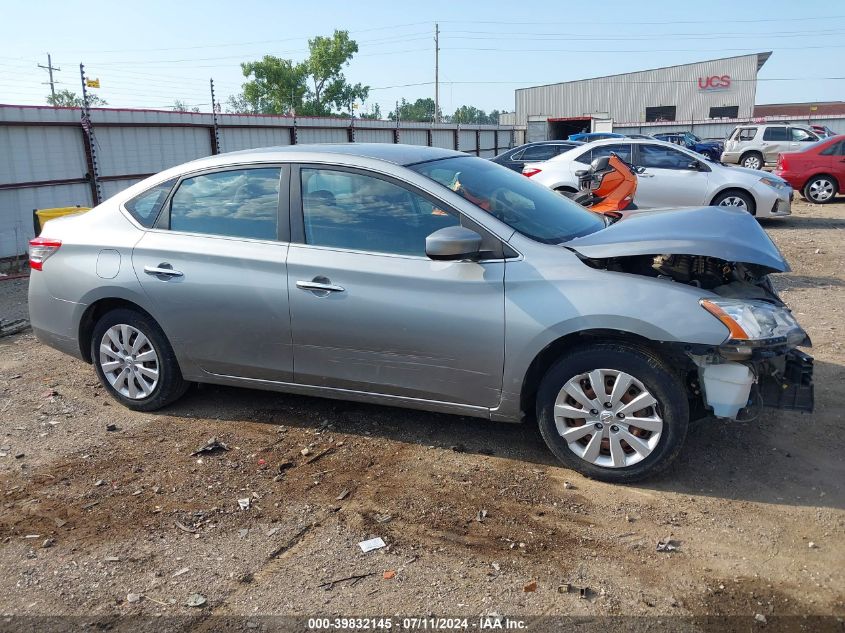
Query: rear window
point(539, 152)
point(775, 134)
point(145, 207)
point(622, 150)
point(836, 149)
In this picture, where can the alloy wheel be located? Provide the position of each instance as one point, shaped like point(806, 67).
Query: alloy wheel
point(752, 162)
point(608, 418)
point(129, 361)
point(820, 190)
point(733, 201)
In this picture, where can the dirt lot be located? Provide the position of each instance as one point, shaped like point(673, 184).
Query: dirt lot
point(89, 516)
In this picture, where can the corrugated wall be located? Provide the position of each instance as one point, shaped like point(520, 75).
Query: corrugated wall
point(625, 97)
point(43, 159)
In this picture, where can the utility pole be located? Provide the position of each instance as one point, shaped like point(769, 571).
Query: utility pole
point(50, 68)
point(216, 131)
point(436, 72)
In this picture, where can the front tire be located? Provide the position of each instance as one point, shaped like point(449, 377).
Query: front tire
point(613, 412)
point(820, 189)
point(734, 198)
point(135, 362)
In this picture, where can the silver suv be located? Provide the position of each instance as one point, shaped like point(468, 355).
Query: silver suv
point(424, 278)
point(754, 146)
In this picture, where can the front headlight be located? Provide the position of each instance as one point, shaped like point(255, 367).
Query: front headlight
point(774, 182)
point(756, 322)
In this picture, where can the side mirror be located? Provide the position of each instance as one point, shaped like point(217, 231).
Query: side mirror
point(452, 243)
point(695, 165)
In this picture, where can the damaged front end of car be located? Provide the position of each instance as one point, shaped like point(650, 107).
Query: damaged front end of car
point(729, 257)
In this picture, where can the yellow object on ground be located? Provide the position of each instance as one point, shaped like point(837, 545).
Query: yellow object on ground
point(41, 216)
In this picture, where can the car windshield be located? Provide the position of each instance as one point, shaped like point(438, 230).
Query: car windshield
point(528, 207)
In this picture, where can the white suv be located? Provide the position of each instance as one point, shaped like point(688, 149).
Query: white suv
point(674, 177)
point(753, 146)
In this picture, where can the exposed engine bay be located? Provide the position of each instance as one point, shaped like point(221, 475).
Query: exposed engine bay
point(728, 279)
point(733, 380)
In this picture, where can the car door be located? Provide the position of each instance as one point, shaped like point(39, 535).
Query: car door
point(799, 139)
point(834, 157)
point(370, 312)
point(776, 139)
point(214, 270)
point(669, 180)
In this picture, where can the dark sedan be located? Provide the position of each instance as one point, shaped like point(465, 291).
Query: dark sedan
point(537, 152)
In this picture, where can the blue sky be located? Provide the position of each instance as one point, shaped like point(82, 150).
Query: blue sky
point(147, 54)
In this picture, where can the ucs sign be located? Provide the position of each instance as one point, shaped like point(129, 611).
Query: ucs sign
point(715, 82)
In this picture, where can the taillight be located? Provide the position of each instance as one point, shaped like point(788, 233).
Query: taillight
point(530, 171)
point(40, 249)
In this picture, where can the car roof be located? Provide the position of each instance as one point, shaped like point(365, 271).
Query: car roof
point(396, 153)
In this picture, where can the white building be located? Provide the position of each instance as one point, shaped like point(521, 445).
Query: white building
point(714, 89)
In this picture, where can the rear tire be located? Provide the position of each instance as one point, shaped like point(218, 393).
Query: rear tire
point(820, 189)
point(752, 160)
point(735, 198)
point(593, 443)
point(135, 362)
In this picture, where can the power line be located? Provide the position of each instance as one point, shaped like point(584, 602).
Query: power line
point(789, 18)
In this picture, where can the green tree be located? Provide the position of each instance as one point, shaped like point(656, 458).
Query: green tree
point(375, 112)
point(237, 104)
point(315, 86)
point(181, 106)
point(277, 86)
point(67, 99)
point(419, 110)
point(328, 56)
point(469, 114)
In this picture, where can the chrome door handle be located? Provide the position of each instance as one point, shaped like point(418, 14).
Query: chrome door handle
point(316, 285)
point(158, 270)
point(646, 175)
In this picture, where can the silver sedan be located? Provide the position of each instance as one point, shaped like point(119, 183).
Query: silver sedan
point(423, 278)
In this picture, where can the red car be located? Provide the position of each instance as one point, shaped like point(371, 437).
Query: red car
point(817, 171)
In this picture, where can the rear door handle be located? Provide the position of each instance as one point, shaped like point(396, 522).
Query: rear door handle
point(317, 285)
point(646, 175)
point(162, 269)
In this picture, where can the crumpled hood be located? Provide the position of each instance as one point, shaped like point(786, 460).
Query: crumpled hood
point(723, 232)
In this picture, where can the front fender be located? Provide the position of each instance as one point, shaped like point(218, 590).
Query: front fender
point(570, 297)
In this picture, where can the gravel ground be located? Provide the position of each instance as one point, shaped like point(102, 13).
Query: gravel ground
point(13, 299)
point(473, 513)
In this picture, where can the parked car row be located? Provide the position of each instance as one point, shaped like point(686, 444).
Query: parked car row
point(425, 278)
point(672, 176)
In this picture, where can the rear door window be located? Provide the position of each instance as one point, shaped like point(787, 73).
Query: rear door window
point(775, 134)
point(538, 153)
point(803, 136)
point(622, 150)
point(235, 203)
point(661, 157)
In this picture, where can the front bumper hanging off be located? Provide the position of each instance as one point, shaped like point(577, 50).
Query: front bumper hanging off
point(780, 381)
point(792, 389)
